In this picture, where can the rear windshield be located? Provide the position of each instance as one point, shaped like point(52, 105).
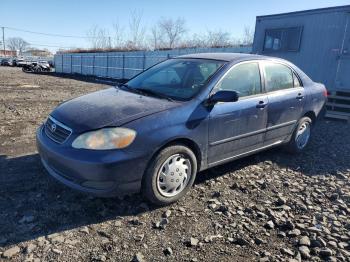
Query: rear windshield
point(179, 79)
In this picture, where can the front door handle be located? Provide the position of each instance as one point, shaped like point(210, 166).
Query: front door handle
point(261, 104)
point(300, 96)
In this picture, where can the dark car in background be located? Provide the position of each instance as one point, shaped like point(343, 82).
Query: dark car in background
point(18, 62)
point(51, 63)
point(6, 62)
point(184, 115)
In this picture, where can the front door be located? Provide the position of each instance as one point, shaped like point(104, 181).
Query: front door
point(342, 81)
point(238, 127)
point(286, 98)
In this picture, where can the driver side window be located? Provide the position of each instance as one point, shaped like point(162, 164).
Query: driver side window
point(243, 78)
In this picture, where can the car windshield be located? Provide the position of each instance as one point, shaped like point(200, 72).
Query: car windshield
point(179, 79)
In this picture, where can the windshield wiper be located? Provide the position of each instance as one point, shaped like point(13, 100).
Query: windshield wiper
point(147, 91)
point(129, 88)
point(144, 91)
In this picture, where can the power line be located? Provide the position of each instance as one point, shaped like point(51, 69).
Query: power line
point(34, 44)
point(48, 34)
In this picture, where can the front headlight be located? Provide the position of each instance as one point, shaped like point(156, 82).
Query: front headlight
point(106, 138)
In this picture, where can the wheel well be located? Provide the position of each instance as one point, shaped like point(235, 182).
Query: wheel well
point(312, 116)
point(186, 142)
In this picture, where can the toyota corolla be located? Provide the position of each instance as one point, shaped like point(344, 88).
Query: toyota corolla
point(157, 131)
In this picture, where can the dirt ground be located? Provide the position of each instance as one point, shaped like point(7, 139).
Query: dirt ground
point(268, 207)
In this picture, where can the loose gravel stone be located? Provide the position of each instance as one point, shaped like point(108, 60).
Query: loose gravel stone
point(57, 251)
point(30, 248)
point(294, 233)
point(193, 241)
point(11, 252)
point(304, 252)
point(326, 252)
point(281, 201)
point(270, 225)
point(304, 241)
point(287, 251)
point(167, 214)
point(168, 251)
point(138, 257)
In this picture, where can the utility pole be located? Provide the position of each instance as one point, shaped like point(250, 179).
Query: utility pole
point(3, 39)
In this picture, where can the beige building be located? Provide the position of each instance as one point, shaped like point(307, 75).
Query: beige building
point(37, 52)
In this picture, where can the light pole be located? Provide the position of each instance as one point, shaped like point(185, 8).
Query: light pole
point(3, 39)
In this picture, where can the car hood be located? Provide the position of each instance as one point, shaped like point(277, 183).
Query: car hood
point(109, 107)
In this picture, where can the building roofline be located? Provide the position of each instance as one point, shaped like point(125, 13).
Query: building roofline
point(227, 57)
point(318, 10)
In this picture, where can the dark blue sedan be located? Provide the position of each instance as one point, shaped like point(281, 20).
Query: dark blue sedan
point(155, 132)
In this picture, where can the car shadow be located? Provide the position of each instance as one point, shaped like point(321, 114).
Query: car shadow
point(33, 204)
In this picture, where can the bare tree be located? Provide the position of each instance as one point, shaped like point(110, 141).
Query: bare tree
point(92, 35)
point(155, 39)
point(248, 36)
point(218, 38)
point(98, 38)
point(172, 29)
point(196, 40)
point(137, 31)
point(118, 36)
point(17, 44)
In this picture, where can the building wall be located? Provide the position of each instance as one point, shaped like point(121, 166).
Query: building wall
point(321, 42)
point(121, 65)
point(8, 53)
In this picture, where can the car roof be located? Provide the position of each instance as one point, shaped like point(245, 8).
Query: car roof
point(228, 57)
point(238, 57)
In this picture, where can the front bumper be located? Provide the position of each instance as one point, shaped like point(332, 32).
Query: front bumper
point(102, 173)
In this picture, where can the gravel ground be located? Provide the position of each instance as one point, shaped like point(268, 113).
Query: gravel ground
point(268, 207)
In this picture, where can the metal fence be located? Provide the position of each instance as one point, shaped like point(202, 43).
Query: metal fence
point(124, 65)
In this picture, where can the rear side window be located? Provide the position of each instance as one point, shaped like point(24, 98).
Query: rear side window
point(278, 77)
point(243, 78)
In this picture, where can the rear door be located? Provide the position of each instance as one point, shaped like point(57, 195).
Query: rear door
point(342, 81)
point(286, 98)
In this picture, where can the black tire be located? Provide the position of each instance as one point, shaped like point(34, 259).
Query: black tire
point(149, 181)
point(292, 146)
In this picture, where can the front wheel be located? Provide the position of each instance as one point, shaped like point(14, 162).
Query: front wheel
point(301, 136)
point(170, 175)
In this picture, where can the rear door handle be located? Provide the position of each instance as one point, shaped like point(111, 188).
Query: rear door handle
point(261, 104)
point(300, 96)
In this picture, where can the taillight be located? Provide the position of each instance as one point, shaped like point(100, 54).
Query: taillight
point(325, 93)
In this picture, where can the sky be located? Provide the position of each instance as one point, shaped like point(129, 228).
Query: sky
point(76, 18)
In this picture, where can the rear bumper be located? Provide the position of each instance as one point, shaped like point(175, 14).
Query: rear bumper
point(323, 112)
point(101, 173)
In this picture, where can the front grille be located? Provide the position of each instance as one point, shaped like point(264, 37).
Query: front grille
point(56, 131)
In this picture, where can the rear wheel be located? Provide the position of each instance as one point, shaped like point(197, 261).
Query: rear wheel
point(301, 136)
point(170, 175)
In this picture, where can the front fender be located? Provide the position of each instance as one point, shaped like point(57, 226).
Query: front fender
point(155, 131)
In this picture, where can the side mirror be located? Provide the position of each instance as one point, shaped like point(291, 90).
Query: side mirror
point(224, 96)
